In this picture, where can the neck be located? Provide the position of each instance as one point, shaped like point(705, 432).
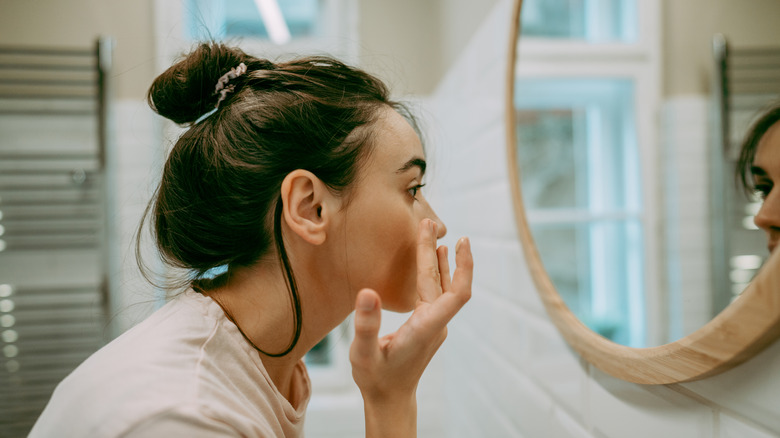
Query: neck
point(259, 302)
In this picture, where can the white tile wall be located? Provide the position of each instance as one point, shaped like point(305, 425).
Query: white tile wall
point(621, 410)
point(134, 167)
point(751, 391)
point(732, 427)
point(686, 187)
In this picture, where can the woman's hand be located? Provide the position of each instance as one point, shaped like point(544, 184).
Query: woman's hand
point(387, 370)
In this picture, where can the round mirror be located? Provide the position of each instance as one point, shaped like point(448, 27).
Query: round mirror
point(628, 248)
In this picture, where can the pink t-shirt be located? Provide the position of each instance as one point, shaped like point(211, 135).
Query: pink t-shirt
point(186, 371)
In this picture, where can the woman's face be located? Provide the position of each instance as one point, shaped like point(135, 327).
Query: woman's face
point(766, 173)
point(384, 212)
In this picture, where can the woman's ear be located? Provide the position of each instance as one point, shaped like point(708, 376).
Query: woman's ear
point(307, 205)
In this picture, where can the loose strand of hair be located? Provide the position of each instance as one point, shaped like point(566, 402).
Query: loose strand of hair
point(289, 279)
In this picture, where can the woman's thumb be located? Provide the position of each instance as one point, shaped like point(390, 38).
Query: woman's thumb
point(368, 318)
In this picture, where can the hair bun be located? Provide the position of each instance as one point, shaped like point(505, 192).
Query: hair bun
point(185, 91)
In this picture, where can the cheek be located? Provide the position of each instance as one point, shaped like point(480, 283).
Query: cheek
point(400, 292)
point(386, 252)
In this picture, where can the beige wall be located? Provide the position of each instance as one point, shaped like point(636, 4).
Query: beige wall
point(460, 19)
point(400, 42)
point(78, 23)
point(412, 43)
point(409, 43)
point(688, 29)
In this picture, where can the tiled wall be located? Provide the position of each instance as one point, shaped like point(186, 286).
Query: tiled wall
point(134, 164)
point(508, 373)
point(686, 186)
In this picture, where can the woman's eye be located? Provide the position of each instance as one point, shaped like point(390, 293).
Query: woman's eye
point(414, 190)
point(763, 190)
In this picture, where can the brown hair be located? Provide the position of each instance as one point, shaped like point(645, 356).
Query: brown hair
point(747, 151)
point(218, 203)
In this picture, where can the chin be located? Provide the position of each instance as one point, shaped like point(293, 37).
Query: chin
point(399, 308)
point(400, 304)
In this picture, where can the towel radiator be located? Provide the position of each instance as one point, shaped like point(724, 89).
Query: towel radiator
point(54, 230)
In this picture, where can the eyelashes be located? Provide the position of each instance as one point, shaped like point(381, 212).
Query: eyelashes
point(414, 190)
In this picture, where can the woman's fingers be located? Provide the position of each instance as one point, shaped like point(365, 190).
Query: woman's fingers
point(428, 276)
point(444, 268)
point(388, 368)
point(368, 318)
point(440, 312)
point(464, 271)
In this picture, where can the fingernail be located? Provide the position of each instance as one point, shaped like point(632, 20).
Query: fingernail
point(460, 243)
point(366, 302)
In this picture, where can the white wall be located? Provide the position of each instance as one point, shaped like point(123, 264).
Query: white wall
point(508, 371)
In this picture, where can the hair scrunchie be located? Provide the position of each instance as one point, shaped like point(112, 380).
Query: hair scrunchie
point(223, 88)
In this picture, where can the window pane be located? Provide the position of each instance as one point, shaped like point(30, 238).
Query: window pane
point(321, 353)
point(548, 158)
point(576, 145)
point(589, 20)
point(592, 265)
point(241, 18)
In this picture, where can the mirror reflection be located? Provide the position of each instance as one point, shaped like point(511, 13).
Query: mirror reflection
point(594, 21)
point(581, 190)
point(627, 171)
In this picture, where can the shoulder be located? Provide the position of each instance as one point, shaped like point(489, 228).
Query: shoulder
point(195, 421)
point(186, 364)
point(148, 370)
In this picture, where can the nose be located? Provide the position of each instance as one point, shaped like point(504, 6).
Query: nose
point(441, 229)
point(768, 217)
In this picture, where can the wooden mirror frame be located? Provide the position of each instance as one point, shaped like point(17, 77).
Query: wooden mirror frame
point(739, 332)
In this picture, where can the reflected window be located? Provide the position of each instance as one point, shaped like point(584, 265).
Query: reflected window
point(586, 20)
point(580, 173)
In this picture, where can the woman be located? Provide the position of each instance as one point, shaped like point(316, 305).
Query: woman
point(302, 179)
point(759, 169)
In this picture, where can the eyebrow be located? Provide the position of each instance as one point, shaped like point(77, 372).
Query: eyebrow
point(414, 162)
point(755, 170)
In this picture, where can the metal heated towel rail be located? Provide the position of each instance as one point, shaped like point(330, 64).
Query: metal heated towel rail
point(53, 221)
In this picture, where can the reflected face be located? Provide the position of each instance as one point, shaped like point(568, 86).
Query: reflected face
point(384, 213)
point(766, 174)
